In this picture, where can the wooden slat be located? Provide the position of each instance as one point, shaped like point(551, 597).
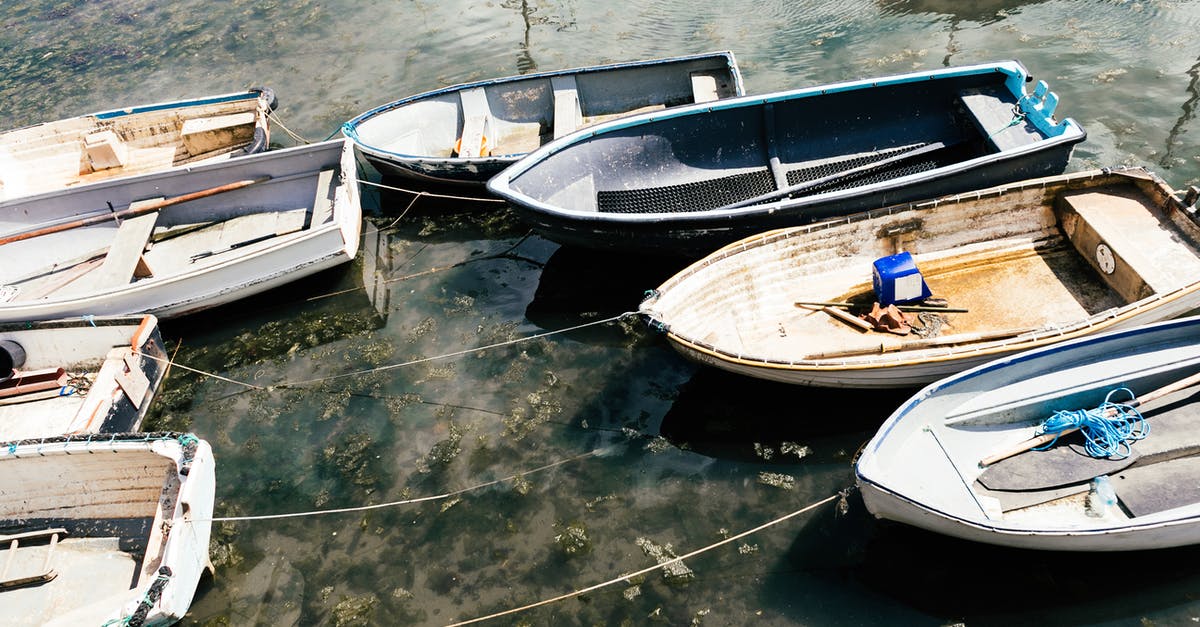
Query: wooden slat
point(704, 87)
point(476, 118)
point(124, 256)
point(567, 113)
point(322, 210)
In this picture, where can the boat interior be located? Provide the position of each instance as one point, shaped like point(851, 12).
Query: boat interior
point(1027, 263)
point(75, 379)
point(86, 149)
point(789, 147)
point(75, 555)
point(515, 117)
point(149, 240)
point(1159, 474)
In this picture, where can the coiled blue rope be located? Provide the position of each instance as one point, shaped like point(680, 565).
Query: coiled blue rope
point(1107, 430)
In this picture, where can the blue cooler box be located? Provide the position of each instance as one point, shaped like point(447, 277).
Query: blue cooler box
point(896, 279)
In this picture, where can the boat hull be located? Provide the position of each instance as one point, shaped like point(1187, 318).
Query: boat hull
point(133, 140)
point(924, 467)
point(133, 514)
point(285, 180)
point(1019, 266)
point(98, 375)
point(688, 180)
point(418, 138)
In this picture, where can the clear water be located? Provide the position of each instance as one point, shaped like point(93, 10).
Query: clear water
point(656, 453)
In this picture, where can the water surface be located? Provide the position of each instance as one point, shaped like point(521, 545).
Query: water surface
point(653, 455)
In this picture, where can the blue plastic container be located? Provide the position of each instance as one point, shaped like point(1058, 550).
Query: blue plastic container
point(896, 279)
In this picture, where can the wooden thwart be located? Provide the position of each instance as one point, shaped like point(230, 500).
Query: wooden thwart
point(476, 118)
point(567, 113)
point(1046, 438)
point(46, 573)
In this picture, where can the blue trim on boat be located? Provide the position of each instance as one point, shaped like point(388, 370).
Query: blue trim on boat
point(116, 113)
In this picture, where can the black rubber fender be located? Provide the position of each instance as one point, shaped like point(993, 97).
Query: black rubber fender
point(272, 101)
point(257, 145)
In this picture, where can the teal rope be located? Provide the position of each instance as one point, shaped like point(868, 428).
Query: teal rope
point(1018, 116)
point(1108, 429)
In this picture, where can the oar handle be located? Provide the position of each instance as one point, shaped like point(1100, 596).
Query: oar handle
point(1037, 441)
point(133, 211)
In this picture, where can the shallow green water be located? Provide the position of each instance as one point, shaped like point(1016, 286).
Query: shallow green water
point(657, 456)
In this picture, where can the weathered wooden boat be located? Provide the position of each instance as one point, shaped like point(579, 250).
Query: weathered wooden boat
point(961, 457)
point(180, 241)
point(1017, 266)
point(465, 134)
point(66, 377)
point(688, 180)
point(133, 140)
point(104, 531)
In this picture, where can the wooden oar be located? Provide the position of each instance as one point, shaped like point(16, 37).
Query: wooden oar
point(1046, 438)
point(844, 174)
point(139, 210)
point(845, 305)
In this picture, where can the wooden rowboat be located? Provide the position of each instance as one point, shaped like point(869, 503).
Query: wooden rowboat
point(1019, 266)
point(111, 531)
point(133, 140)
point(956, 458)
point(78, 376)
point(180, 241)
point(688, 180)
point(465, 134)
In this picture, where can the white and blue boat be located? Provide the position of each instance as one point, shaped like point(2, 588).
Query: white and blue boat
point(976, 456)
point(688, 180)
point(466, 133)
point(134, 139)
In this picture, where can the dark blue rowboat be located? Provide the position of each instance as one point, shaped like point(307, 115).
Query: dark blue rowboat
point(465, 134)
point(688, 180)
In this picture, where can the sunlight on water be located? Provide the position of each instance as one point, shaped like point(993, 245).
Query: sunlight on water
point(651, 456)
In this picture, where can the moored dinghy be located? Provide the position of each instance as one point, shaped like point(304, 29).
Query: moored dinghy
point(133, 140)
point(690, 179)
point(79, 376)
point(104, 531)
point(180, 241)
point(957, 458)
point(466, 133)
point(1018, 266)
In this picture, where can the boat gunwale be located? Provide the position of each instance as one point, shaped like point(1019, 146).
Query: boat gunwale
point(1070, 133)
point(349, 128)
point(874, 446)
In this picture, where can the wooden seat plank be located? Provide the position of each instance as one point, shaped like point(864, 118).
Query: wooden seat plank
point(124, 257)
point(567, 113)
point(704, 87)
point(476, 119)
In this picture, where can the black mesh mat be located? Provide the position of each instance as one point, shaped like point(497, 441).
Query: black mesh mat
point(698, 196)
point(716, 193)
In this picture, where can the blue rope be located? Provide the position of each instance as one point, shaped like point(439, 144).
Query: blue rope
point(1108, 429)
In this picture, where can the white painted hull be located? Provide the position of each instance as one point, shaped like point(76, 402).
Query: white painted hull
point(922, 467)
point(88, 488)
point(111, 370)
point(133, 140)
point(212, 280)
point(1022, 276)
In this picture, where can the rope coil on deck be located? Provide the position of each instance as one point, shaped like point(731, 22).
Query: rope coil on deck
point(1108, 429)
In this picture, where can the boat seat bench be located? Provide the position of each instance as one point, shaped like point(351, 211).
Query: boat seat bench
point(1100, 224)
point(567, 114)
point(994, 117)
point(477, 117)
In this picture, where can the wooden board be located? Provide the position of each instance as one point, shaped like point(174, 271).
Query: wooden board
point(476, 118)
point(1174, 423)
point(567, 114)
point(1062, 465)
point(1159, 487)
